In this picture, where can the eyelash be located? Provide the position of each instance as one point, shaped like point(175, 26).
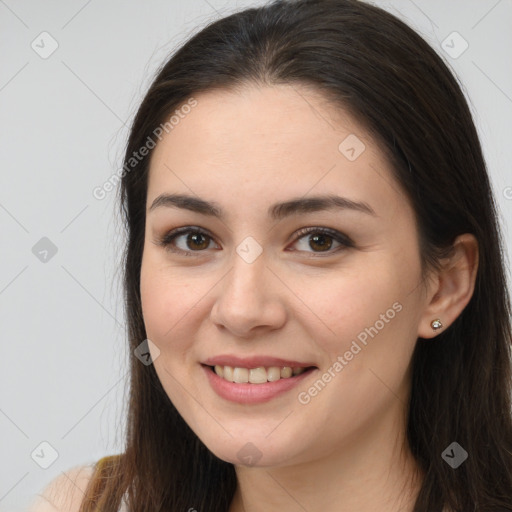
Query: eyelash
point(167, 240)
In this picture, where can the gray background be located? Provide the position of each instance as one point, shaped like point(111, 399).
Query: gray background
point(63, 124)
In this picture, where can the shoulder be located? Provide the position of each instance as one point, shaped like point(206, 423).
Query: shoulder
point(65, 492)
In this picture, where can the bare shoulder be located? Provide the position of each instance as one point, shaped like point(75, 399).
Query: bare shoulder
point(65, 492)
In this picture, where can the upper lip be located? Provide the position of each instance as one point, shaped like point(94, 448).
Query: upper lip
point(254, 362)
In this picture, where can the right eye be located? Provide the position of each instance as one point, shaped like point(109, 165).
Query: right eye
point(194, 240)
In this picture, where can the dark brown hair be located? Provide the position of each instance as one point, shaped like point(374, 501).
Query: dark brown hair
point(371, 64)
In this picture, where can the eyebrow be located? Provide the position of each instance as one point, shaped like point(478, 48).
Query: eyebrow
point(277, 211)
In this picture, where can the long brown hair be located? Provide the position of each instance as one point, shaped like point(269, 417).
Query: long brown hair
point(370, 63)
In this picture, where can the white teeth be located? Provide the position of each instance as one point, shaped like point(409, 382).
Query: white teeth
point(286, 372)
point(228, 373)
point(258, 375)
point(273, 373)
point(240, 375)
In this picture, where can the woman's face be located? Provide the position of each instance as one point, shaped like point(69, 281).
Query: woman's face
point(241, 287)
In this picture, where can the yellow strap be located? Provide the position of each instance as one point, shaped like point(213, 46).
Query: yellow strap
point(98, 482)
point(106, 461)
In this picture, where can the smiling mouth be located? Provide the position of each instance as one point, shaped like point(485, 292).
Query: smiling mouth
point(259, 375)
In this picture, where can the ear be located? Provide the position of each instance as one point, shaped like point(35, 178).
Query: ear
point(452, 287)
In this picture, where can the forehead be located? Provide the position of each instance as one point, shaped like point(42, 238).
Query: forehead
point(260, 123)
point(269, 143)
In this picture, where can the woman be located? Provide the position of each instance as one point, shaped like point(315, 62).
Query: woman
point(314, 278)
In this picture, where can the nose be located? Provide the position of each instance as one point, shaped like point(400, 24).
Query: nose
point(250, 300)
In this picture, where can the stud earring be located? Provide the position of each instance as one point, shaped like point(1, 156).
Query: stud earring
point(436, 324)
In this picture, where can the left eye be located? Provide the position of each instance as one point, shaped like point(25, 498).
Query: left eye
point(196, 240)
point(322, 239)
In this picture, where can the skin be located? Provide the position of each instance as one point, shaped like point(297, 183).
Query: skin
point(247, 150)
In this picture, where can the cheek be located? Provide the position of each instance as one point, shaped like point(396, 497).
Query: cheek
point(165, 299)
point(175, 302)
point(367, 345)
point(168, 308)
point(368, 317)
point(348, 303)
point(372, 312)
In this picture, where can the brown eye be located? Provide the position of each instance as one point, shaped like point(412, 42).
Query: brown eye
point(192, 240)
point(321, 240)
point(198, 241)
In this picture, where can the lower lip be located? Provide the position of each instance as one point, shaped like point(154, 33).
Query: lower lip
point(247, 393)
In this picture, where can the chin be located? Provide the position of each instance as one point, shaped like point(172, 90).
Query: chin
point(253, 450)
